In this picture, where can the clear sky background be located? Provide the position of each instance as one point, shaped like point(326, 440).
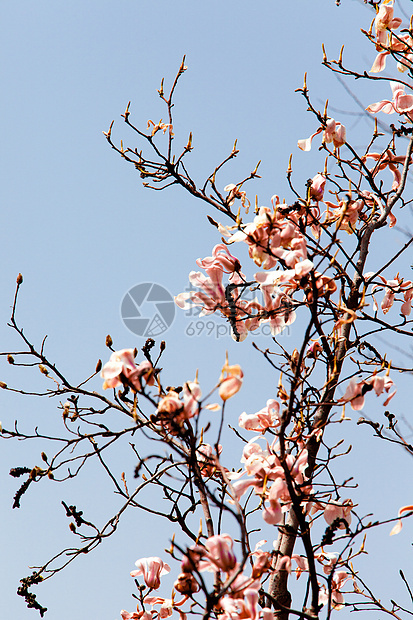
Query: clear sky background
point(78, 224)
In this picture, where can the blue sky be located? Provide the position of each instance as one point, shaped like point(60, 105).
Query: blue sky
point(81, 228)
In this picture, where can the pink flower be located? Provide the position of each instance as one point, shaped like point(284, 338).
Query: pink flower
point(346, 213)
point(387, 159)
point(172, 412)
point(167, 606)
point(151, 569)
point(219, 554)
point(400, 103)
point(401, 43)
point(385, 21)
point(136, 615)
point(235, 192)
point(317, 187)
point(222, 259)
point(268, 417)
point(207, 459)
point(392, 288)
point(337, 599)
point(121, 369)
point(245, 608)
point(333, 132)
point(231, 380)
point(336, 510)
point(357, 389)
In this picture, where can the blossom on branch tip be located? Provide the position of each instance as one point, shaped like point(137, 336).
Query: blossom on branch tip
point(400, 103)
point(121, 369)
point(136, 615)
point(235, 192)
point(268, 417)
point(317, 187)
point(392, 288)
point(337, 510)
point(333, 132)
point(385, 21)
point(152, 569)
point(356, 390)
point(230, 381)
point(219, 554)
point(337, 599)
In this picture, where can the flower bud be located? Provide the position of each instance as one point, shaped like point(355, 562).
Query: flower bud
point(186, 584)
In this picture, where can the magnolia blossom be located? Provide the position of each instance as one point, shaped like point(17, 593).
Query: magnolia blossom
point(246, 608)
point(267, 477)
point(135, 615)
point(402, 44)
point(235, 192)
point(336, 510)
point(121, 368)
point(230, 381)
point(151, 569)
point(207, 459)
point(317, 187)
point(214, 296)
point(333, 132)
point(268, 417)
point(346, 214)
point(219, 554)
point(272, 236)
point(384, 22)
point(357, 389)
point(400, 103)
point(285, 563)
point(327, 560)
point(337, 599)
point(392, 288)
point(168, 605)
point(222, 259)
point(172, 412)
point(384, 160)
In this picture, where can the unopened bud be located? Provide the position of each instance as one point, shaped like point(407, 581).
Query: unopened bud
point(186, 584)
point(98, 366)
point(43, 370)
point(19, 279)
point(50, 475)
point(44, 457)
point(3, 385)
point(72, 527)
point(109, 341)
point(162, 346)
point(10, 359)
